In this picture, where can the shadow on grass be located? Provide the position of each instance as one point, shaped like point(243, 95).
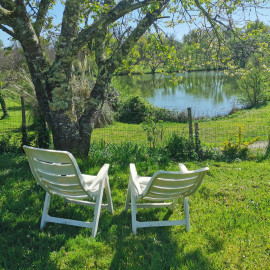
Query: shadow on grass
point(23, 245)
point(151, 248)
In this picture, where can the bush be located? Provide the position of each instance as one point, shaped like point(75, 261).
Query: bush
point(134, 110)
point(180, 148)
point(154, 130)
point(171, 115)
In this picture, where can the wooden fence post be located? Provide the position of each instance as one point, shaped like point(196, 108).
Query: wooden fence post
point(24, 132)
point(190, 126)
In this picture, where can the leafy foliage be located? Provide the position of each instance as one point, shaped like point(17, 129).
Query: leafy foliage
point(180, 148)
point(134, 110)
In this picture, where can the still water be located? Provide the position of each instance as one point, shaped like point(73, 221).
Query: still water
point(207, 93)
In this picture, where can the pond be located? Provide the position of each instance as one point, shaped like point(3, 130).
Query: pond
point(207, 93)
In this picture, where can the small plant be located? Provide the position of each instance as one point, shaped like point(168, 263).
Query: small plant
point(153, 127)
point(239, 149)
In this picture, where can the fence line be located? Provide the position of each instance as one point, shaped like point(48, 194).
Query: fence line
point(211, 132)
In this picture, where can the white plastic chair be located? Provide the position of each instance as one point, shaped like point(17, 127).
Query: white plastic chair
point(162, 186)
point(57, 173)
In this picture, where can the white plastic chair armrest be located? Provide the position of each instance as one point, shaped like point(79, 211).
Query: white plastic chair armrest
point(134, 179)
point(100, 176)
point(182, 168)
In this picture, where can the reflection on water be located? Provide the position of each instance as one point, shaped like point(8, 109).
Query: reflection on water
point(207, 93)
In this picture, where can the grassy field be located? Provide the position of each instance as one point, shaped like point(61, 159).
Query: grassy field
point(229, 222)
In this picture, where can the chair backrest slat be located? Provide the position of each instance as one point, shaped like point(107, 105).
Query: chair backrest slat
point(169, 185)
point(64, 168)
point(58, 179)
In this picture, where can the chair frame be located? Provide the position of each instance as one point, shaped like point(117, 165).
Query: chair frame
point(135, 193)
point(101, 180)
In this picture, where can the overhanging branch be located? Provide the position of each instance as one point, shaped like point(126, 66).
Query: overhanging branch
point(121, 9)
point(9, 32)
point(209, 18)
point(41, 16)
point(5, 16)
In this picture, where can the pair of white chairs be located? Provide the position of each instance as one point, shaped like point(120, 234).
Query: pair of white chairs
point(57, 173)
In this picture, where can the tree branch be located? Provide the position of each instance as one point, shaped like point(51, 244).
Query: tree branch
point(5, 17)
point(41, 16)
point(121, 9)
point(210, 20)
point(9, 32)
point(136, 34)
point(70, 21)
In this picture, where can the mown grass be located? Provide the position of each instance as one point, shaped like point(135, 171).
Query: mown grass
point(229, 221)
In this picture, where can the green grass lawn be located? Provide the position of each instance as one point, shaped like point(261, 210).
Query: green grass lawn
point(229, 222)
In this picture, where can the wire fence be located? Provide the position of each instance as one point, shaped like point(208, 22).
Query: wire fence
point(213, 132)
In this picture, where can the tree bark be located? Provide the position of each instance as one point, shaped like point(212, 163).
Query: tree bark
point(3, 106)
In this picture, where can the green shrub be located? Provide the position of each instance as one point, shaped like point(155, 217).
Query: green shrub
point(134, 110)
point(253, 85)
point(170, 115)
point(180, 148)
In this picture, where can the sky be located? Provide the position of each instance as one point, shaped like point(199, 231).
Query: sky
point(178, 31)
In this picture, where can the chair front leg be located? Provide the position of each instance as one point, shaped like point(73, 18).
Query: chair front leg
point(97, 209)
point(186, 210)
point(133, 213)
point(45, 210)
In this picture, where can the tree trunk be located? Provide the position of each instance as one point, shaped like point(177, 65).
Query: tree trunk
point(43, 134)
point(3, 106)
